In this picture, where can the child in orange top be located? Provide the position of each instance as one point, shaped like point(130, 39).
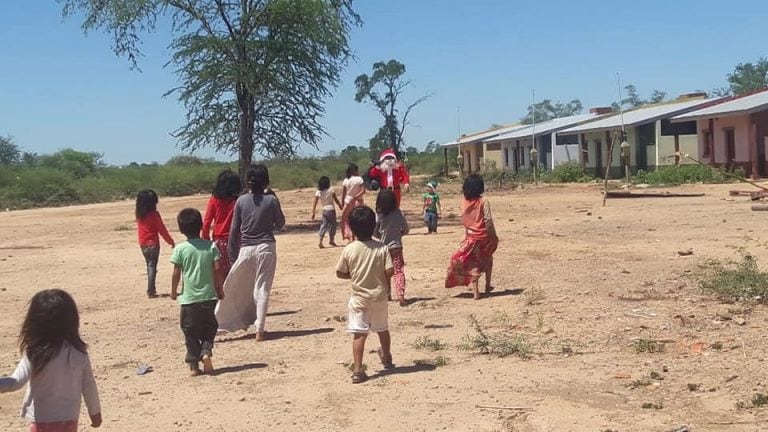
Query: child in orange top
point(475, 254)
point(150, 227)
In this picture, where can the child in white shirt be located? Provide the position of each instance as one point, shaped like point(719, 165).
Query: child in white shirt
point(55, 365)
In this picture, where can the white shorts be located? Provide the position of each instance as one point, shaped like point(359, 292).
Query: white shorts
point(373, 318)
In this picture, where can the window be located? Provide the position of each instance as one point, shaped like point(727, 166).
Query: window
point(685, 128)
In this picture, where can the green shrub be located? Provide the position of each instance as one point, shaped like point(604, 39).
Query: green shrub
point(682, 174)
point(736, 282)
point(569, 172)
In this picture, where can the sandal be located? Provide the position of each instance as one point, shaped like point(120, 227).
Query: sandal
point(359, 377)
point(384, 362)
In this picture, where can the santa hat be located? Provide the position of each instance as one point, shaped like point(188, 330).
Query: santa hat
point(386, 154)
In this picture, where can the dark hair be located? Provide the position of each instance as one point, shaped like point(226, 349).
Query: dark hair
point(362, 222)
point(351, 169)
point(324, 183)
point(257, 178)
point(386, 202)
point(228, 185)
point(474, 186)
point(51, 320)
point(146, 203)
point(190, 222)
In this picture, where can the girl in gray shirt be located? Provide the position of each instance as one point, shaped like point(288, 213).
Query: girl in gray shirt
point(255, 218)
point(391, 226)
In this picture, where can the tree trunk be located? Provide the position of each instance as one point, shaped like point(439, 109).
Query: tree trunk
point(245, 138)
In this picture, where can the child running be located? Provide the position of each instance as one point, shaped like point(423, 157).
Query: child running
point(256, 217)
point(219, 213)
point(353, 189)
point(391, 226)
point(367, 264)
point(475, 254)
point(150, 227)
point(198, 261)
point(327, 197)
point(432, 207)
point(55, 365)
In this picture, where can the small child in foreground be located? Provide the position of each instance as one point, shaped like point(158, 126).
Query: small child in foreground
point(327, 197)
point(198, 261)
point(432, 207)
point(55, 363)
point(391, 226)
point(368, 265)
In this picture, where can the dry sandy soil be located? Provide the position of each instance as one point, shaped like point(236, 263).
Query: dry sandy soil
point(576, 281)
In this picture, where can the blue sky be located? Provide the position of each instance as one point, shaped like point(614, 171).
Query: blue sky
point(60, 88)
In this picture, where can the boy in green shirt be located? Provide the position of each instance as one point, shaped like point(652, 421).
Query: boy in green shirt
point(198, 261)
point(432, 207)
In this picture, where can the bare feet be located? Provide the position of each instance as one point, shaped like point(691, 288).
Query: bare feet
point(402, 301)
point(321, 245)
point(194, 370)
point(475, 291)
point(207, 364)
point(333, 244)
point(261, 336)
point(489, 288)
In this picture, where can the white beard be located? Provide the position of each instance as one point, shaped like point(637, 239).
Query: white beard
point(388, 164)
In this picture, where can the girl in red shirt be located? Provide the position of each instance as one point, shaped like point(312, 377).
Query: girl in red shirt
point(150, 227)
point(219, 213)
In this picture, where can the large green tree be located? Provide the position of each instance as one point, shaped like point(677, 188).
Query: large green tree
point(633, 100)
point(383, 89)
point(749, 77)
point(548, 110)
point(10, 154)
point(253, 73)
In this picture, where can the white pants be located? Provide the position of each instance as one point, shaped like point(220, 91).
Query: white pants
point(247, 288)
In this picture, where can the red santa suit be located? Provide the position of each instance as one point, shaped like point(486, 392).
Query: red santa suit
point(390, 173)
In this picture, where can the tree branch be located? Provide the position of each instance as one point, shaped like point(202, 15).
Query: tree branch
point(404, 122)
point(223, 15)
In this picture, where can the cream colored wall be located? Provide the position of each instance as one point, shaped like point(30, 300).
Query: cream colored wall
point(494, 157)
point(688, 145)
point(616, 160)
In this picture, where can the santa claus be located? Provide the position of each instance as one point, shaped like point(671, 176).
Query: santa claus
point(390, 173)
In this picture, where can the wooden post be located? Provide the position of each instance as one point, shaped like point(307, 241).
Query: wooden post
point(445, 153)
point(609, 153)
point(677, 149)
point(753, 149)
point(582, 153)
point(711, 141)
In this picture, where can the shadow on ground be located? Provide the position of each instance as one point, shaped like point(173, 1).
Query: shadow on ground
point(495, 293)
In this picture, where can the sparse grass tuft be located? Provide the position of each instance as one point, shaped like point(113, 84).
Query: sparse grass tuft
point(648, 346)
point(717, 346)
point(736, 282)
point(427, 342)
point(653, 405)
point(438, 361)
point(759, 400)
point(534, 296)
point(639, 383)
point(693, 387)
point(124, 227)
point(500, 345)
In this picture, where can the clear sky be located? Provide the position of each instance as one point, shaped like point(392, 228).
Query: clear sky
point(59, 88)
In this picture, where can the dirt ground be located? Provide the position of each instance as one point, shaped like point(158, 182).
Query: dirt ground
point(575, 281)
